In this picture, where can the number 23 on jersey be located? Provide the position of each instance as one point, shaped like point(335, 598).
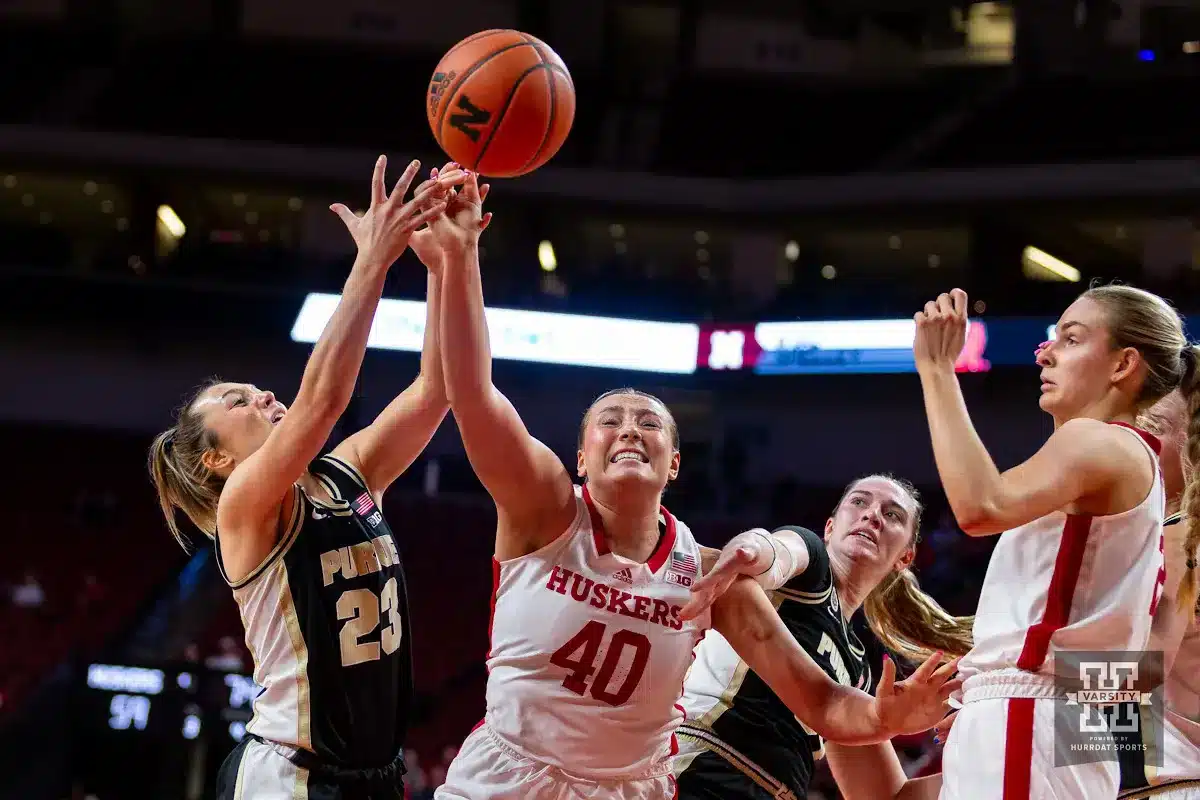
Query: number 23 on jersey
point(360, 608)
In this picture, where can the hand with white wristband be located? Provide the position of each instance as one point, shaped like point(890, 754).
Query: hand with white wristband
point(771, 559)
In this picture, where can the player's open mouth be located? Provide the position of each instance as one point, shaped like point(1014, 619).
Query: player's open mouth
point(864, 534)
point(278, 415)
point(629, 455)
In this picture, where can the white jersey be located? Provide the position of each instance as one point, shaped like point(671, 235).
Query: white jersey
point(589, 653)
point(1071, 582)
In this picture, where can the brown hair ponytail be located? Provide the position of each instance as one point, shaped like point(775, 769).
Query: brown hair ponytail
point(181, 480)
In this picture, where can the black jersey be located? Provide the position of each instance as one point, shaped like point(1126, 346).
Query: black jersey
point(326, 617)
point(765, 750)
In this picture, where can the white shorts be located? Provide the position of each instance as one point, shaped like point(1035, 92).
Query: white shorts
point(256, 770)
point(488, 769)
point(1002, 748)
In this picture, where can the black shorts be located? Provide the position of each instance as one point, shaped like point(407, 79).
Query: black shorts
point(1171, 790)
point(710, 777)
point(257, 770)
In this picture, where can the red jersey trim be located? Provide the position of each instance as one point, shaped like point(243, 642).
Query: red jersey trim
point(665, 544)
point(1151, 440)
point(1067, 564)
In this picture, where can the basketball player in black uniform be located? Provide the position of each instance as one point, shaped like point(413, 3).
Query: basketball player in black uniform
point(301, 539)
point(739, 740)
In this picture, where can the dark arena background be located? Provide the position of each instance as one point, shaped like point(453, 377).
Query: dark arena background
point(769, 189)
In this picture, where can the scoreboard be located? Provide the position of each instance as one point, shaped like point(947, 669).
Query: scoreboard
point(167, 727)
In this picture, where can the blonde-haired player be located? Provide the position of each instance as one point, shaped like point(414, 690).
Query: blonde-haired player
point(1079, 566)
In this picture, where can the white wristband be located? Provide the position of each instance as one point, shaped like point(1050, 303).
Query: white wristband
point(783, 565)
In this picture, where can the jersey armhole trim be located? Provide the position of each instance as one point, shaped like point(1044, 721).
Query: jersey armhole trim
point(290, 534)
point(340, 505)
point(557, 541)
point(345, 466)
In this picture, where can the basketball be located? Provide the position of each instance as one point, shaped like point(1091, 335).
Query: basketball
point(501, 103)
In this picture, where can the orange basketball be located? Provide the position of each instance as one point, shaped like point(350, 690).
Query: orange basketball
point(501, 103)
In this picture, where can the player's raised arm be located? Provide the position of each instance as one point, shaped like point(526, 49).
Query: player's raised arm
point(745, 617)
point(257, 485)
point(384, 449)
point(1084, 457)
point(532, 489)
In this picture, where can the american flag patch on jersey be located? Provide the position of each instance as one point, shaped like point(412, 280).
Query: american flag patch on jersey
point(364, 505)
point(683, 562)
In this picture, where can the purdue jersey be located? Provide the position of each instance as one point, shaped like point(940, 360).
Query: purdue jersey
point(326, 618)
point(733, 714)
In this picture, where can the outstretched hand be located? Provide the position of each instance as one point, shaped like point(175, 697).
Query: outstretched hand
point(740, 556)
point(919, 702)
point(385, 228)
point(426, 242)
point(464, 219)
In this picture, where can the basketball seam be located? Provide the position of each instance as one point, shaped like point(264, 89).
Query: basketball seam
point(453, 88)
point(475, 38)
point(512, 93)
point(553, 112)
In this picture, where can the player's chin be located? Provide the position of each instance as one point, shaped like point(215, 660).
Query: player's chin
point(860, 549)
point(635, 474)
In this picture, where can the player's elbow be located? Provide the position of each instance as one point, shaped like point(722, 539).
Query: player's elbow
point(431, 392)
point(467, 391)
point(978, 518)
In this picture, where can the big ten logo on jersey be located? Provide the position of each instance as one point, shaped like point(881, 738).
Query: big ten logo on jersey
point(614, 600)
point(360, 608)
point(829, 650)
point(682, 570)
point(437, 87)
point(365, 507)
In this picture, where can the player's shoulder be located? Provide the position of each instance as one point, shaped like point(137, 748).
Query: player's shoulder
point(1090, 438)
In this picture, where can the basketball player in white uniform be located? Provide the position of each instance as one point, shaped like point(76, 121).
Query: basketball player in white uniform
point(1175, 771)
point(1080, 565)
point(589, 644)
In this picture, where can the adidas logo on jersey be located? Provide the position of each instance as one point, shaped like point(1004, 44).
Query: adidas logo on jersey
point(623, 575)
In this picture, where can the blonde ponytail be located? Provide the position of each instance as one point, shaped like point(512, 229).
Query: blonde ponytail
point(181, 481)
point(911, 624)
point(1189, 585)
